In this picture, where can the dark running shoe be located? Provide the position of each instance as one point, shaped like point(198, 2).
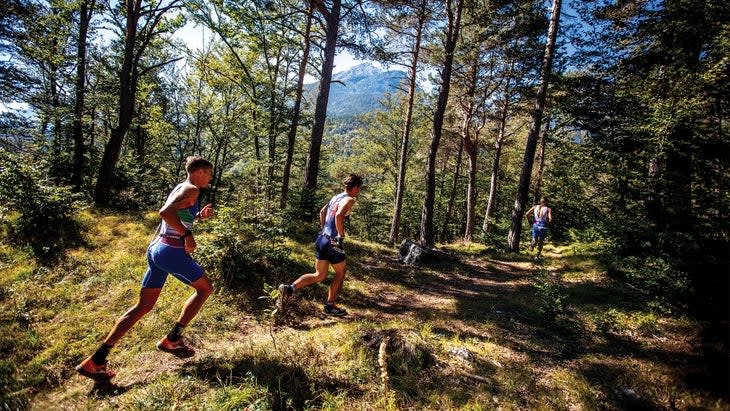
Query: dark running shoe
point(285, 291)
point(334, 310)
point(178, 348)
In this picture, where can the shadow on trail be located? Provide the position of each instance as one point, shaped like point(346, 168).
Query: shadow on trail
point(288, 385)
point(466, 294)
point(106, 388)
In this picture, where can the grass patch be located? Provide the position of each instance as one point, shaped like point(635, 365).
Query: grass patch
point(486, 331)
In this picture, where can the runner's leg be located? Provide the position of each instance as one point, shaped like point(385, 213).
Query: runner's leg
point(320, 267)
point(203, 290)
point(336, 286)
point(147, 300)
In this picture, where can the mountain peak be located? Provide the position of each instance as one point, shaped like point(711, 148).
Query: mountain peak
point(358, 89)
point(360, 71)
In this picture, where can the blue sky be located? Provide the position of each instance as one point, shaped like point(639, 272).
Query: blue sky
point(195, 36)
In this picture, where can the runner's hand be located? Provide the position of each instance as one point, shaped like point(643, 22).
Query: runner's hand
point(190, 244)
point(337, 241)
point(206, 212)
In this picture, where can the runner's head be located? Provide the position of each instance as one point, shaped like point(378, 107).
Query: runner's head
point(200, 170)
point(543, 201)
point(352, 183)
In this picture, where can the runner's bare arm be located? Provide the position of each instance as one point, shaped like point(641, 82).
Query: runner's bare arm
point(343, 210)
point(322, 216)
point(182, 199)
point(527, 213)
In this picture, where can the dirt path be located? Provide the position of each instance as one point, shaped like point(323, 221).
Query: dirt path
point(381, 288)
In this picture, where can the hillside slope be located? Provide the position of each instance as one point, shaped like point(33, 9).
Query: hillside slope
point(485, 331)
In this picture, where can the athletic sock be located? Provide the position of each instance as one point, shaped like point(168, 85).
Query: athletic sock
point(99, 357)
point(176, 333)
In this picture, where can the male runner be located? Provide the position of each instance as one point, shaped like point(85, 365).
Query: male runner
point(168, 253)
point(543, 215)
point(329, 249)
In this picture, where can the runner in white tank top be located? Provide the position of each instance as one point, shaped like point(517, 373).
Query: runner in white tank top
point(542, 216)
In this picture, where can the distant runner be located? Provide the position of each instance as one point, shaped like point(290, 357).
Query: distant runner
point(329, 248)
point(543, 215)
point(168, 253)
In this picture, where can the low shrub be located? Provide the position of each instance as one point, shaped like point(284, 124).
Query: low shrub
point(35, 211)
point(244, 248)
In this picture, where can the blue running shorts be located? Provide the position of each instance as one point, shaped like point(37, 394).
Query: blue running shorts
point(539, 232)
point(325, 250)
point(163, 259)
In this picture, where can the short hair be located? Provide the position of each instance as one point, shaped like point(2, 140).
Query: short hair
point(544, 200)
point(352, 181)
point(195, 163)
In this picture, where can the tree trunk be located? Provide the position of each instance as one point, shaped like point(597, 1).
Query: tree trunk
point(129, 75)
point(332, 18)
point(452, 35)
point(513, 237)
point(495, 169)
point(85, 12)
point(498, 151)
point(126, 108)
point(472, 150)
point(400, 185)
point(541, 160)
point(452, 197)
point(292, 137)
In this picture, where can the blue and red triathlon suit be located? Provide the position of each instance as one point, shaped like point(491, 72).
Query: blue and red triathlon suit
point(540, 225)
point(325, 247)
point(166, 254)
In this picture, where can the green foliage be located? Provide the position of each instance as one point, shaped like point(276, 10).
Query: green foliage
point(139, 187)
point(661, 280)
point(248, 395)
point(244, 247)
point(550, 296)
point(37, 212)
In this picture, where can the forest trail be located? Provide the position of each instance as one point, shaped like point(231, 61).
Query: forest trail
point(487, 306)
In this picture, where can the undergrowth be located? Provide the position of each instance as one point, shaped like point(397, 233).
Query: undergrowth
point(477, 333)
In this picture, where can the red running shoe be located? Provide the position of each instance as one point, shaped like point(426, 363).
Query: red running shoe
point(178, 348)
point(87, 368)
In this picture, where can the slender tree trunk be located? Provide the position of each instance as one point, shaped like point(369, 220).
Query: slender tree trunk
point(491, 203)
point(58, 145)
point(292, 137)
point(541, 160)
point(452, 35)
point(400, 185)
point(513, 237)
point(85, 12)
point(452, 196)
point(332, 18)
point(471, 192)
point(129, 74)
point(272, 138)
point(472, 149)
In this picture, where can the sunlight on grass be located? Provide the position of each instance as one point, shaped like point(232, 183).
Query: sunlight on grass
point(457, 336)
point(462, 248)
point(577, 392)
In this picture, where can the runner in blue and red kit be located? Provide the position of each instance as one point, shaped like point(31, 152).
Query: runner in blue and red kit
point(168, 253)
point(329, 248)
